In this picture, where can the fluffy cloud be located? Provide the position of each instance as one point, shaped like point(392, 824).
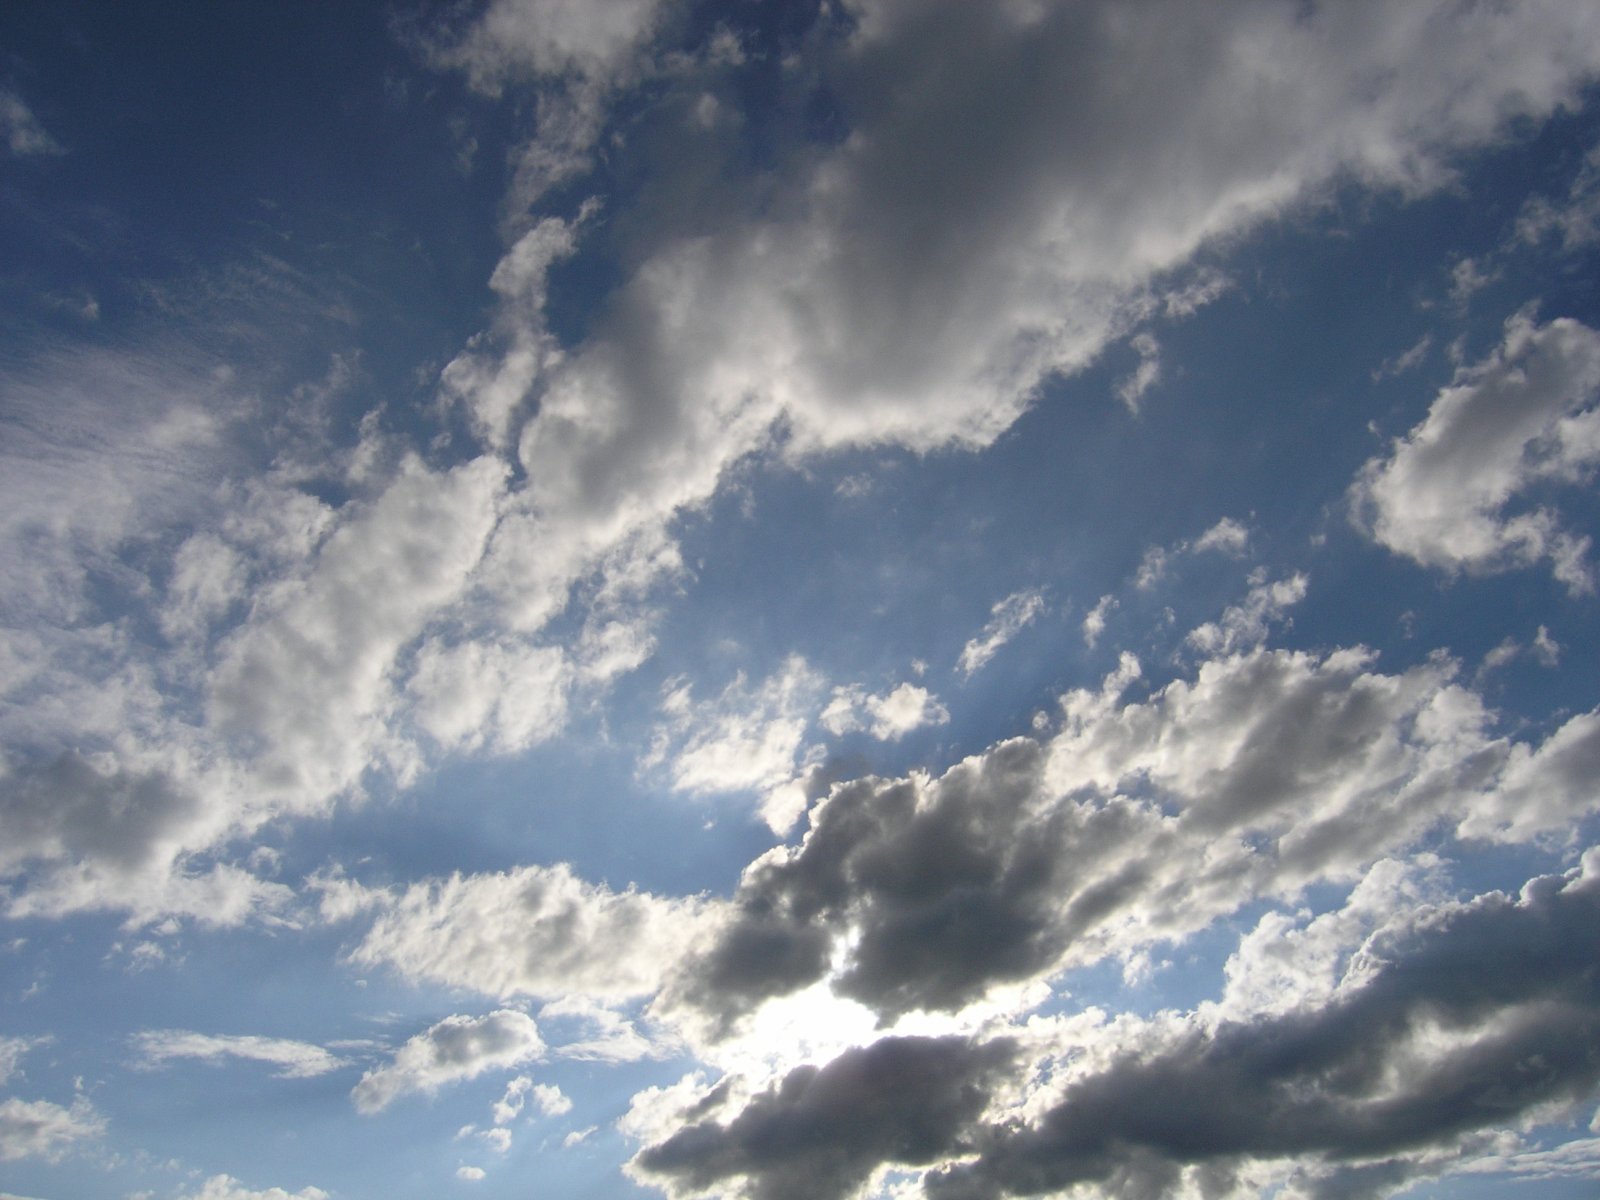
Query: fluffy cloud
point(1475, 1016)
point(917, 282)
point(1445, 494)
point(456, 1048)
point(1137, 822)
point(536, 931)
point(226, 1187)
point(748, 737)
point(1411, 1036)
point(887, 717)
point(40, 1129)
point(300, 690)
point(123, 775)
point(294, 1060)
point(821, 1132)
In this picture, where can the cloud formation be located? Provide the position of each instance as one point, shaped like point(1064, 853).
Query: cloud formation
point(1524, 415)
point(41, 1129)
point(1138, 822)
point(293, 1060)
point(456, 1048)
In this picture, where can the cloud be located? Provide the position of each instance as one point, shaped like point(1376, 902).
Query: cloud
point(822, 1132)
point(1227, 536)
point(40, 1129)
point(1094, 621)
point(551, 1101)
point(1473, 1016)
point(888, 717)
point(534, 931)
point(921, 279)
point(1139, 822)
point(11, 1051)
point(299, 691)
point(470, 1174)
point(1524, 415)
point(294, 1060)
point(1244, 625)
point(500, 696)
point(1007, 618)
point(1146, 375)
point(747, 738)
point(456, 1048)
point(21, 130)
point(226, 1187)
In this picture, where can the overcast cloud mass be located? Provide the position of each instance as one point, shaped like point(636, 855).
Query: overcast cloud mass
point(834, 599)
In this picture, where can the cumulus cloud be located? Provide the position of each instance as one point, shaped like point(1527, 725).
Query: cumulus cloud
point(822, 1132)
point(1007, 618)
point(888, 717)
point(921, 279)
point(456, 1048)
point(534, 931)
point(1446, 495)
point(293, 1060)
point(40, 1129)
point(226, 1187)
point(1411, 1040)
point(1140, 821)
point(1476, 1015)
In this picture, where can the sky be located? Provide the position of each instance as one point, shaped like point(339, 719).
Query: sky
point(799, 601)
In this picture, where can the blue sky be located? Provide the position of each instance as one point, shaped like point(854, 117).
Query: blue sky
point(896, 598)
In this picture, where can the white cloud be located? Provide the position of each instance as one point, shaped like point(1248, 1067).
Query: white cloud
point(1007, 618)
point(1244, 625)
point(470, 1174)
point(294, 1060)
point(456, 1048)
point(923, 278)
point(552, 1102)
point(535, 931)
point(607, 1035)
point(888, 717)
point(301, 689)
point(1094, 621)
point(749, 737)
point(505, 697)
point(1227, 536)
point(40, 1129)
point(226, 1187)
point(1522, 416)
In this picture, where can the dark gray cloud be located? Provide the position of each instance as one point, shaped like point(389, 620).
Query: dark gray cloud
point(1470, 1019)
point(1137, 822)
point(821, 1131)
